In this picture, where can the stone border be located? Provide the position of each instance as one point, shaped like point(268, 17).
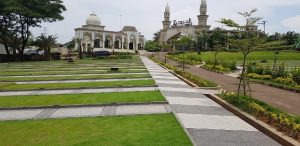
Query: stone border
point(260, 125)
point(84, 105)
point(36, 90)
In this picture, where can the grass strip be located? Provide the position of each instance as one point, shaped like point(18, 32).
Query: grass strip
point(79, 99)
point(159, 129)
point(130, 83)
point(22, 73)
point(52, 78)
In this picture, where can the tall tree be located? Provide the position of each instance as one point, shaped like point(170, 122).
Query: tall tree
point(31, 13)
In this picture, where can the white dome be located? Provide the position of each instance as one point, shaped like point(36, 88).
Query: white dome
point(93, 19)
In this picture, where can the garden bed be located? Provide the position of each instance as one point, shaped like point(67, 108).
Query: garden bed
point(286, 123)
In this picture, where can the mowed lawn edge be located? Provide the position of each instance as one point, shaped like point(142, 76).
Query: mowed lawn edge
point(80, 99)
point(104, 84)
point(54, 78)
point(158, 129)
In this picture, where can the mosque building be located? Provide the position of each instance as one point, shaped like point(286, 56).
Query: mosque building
point(95, 37)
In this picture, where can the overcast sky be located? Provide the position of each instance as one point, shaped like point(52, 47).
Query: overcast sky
point(146, 15)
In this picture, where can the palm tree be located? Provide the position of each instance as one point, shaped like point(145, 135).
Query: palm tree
point(46, 42)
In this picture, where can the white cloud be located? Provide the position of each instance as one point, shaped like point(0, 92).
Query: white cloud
point(292, 23)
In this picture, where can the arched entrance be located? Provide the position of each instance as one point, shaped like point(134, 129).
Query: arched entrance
point(131, 46)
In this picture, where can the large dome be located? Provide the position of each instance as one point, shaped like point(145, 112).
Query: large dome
point(93, 19)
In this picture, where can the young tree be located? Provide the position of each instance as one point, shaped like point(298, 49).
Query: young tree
point(248, 41)
point(185, 43)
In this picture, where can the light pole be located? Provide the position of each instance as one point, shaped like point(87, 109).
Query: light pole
point(264, 24)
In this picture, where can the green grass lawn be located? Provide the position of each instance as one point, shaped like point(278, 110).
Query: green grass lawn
point(22, 73)
point(113, 76)
point(77, 99)
point(12, 86)
point(150, 130)
point(292, 58)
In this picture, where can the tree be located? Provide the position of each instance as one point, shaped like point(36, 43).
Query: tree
point(46, 43)
point(156, 36)
point(79, 42)
point(290, 37)
point(152, 46)
point(31, 13)
point(184, 43)
point(248, 41)
point(297, 44)
point(202, 41)
point(71, 44)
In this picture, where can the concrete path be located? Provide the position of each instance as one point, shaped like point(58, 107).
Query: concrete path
point(282, 99)
point(206, 122)
point(70, 75)
point(96, 111)
point(76, 91)
point(81, 81)
point(72, 69)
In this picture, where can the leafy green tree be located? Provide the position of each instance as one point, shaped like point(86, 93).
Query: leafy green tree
point(290, 37)
point(248, 42)
point(156, 36)
point(152, 46)
point(31, 13)
point(71, 44)
point(46, 42)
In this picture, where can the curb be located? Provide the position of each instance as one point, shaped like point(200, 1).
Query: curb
point(261, 126)
point(60, 89)
point(85, 105)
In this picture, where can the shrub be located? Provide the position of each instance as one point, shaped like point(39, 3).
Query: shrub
point(227, 64)
point(296, 75)
point(282, 121)
point(260, 77)
point(280, 71)
point(287, 81)
point(259, 69)
point(267, 70)
point(251, 67)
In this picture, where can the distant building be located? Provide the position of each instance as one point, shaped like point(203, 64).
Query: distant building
point(186, 28)
point(183, 27)
point(94, 36)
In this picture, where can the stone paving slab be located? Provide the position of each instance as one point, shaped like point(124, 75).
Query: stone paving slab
point(76, 91)
point(205, 110)
point(198, 121)
point(81, 81)
point(19, 114)
point(93, 111)
point(207, 137)
point(77, 112)
point(140, 109)
point(191, 101)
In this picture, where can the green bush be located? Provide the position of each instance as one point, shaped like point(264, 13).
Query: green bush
point(282, 121)
point(286, 81)
point(260, 77)
point(280, 71)
point(296, 75)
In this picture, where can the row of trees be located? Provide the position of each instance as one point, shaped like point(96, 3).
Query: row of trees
point(17, 17)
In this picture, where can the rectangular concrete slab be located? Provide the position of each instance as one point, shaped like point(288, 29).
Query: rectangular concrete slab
point(77, 112)
point(189, 90)
point(19, 114)
point(140, 109)
point(199, 121)
point(191, 101)
point(208, 137)
point(204, 110)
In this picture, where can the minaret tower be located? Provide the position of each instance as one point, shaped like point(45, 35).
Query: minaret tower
point(167, 22)
point(202, 18)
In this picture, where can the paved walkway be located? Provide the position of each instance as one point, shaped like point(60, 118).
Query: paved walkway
point(282, 99)
point(71, 75)
point(82, 81)
point(207, 123)
point(6, 115)
point(76, 91)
